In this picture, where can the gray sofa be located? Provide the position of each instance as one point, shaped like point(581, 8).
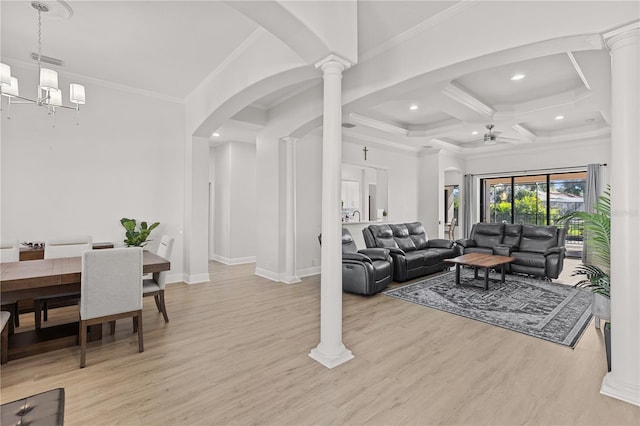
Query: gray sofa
point(413, 253)
point(538, 250)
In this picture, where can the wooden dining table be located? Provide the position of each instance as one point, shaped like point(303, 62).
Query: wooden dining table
point(37, 278)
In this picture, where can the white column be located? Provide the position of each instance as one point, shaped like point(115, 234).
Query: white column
point(623, 382)
point(290, 276)
point(331, 352)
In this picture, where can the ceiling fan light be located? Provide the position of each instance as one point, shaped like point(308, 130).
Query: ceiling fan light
point(48, 79)
point(76, 94)
point(5, 75)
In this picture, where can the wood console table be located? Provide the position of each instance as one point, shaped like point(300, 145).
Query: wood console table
point(36, 278)
point(31, 253)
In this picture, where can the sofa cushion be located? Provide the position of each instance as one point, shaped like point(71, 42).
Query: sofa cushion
point(538, 239)
point(488, 234)
point(414, 259)
point(529, 259)
point(383, 236)
point(431, 257)
point(399, 231)
point(512, 233)
point(418, 235)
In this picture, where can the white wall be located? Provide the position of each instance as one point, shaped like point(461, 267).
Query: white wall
point(403, 184)
point(126, 158)
point(234, 213)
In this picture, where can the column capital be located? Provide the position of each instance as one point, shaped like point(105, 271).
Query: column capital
point(333, 61)
point(613, 37)
point(289, 139)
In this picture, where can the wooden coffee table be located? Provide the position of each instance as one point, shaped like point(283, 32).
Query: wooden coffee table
point(480, 260)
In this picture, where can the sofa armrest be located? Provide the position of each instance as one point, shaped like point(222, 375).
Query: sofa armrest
point(375, 253)
point(356, 257)
point(440, 243)
point(554, 250)
point(466, 243)
point(504, 249)
point(394, 250)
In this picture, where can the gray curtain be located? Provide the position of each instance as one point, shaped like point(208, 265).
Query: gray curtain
point(591, 194)
point(468, 208)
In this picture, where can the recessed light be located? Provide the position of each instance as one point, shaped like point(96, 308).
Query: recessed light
point(559, 117)
point(475, 132)
point(517, 77)
point(215, 134)
point(413, 107)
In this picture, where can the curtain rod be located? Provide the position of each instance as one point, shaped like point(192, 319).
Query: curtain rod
point(566, 169)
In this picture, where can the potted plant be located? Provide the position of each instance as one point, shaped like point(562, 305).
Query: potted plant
point(136, 237)
point(596, 273)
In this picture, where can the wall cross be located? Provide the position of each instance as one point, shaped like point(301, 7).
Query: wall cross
point(365, 153)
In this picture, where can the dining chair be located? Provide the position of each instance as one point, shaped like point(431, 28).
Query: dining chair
point(54, 249)
point(10, 252)
point(5, 318)
point(110, 289)
point(155, 286)
point(451, 232)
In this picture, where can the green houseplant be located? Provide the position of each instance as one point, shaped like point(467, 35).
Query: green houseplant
point(596, 272)
point(136, 237)
point(598, 236)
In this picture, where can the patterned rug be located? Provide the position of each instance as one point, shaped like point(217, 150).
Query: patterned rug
point(555, 312)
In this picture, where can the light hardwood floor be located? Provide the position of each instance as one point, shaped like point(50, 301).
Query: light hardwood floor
point(236, 352)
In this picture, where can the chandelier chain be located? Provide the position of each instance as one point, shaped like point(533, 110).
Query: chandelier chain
point(39, 38)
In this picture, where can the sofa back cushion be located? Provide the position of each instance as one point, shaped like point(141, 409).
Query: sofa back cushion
point(348, 245)
point(383, 235)
point(488, 234)
point(401, 235)
point(512, 234)
point(537, 239)
point(418, 235)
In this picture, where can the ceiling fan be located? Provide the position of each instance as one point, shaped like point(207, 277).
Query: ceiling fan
point(490, 137)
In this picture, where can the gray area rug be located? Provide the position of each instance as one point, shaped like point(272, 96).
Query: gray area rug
point(555, 312)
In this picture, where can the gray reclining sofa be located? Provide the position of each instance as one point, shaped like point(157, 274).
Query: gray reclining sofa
point(538, 250)
point(413, 253)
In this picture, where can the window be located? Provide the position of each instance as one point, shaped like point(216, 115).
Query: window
point(535, 199)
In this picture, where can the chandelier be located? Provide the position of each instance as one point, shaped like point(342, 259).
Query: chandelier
point(49, 94)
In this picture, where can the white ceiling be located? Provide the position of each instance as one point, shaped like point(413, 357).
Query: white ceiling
point(169, 48)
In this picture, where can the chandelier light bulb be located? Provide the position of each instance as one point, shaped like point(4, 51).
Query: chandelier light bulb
point(49, 79)
point(12, 90)
point(5, 75)
point(76, 94)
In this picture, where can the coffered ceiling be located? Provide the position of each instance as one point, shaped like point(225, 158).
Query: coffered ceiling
point(167, 49)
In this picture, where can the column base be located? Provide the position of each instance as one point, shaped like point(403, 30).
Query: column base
point(331, 361)
point(291, 279)
point(619, 391)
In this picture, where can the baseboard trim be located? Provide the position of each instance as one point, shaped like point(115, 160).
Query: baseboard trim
point(623, 392)
point(196, 279)
point(291, 279)
point(307, 272)
point(175, 278)
point(264, 273)
point(233, 261)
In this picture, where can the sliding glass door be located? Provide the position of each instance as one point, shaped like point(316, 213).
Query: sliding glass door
point(535, 199)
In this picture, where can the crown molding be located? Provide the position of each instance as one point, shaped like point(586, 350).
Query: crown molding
point(377, 124)
point(99, 82)
point(567, 98)
point(527, 134)
point(417, 29)
point(576, 67)
point(437, 129)
point(469, 101)
point(353, 137)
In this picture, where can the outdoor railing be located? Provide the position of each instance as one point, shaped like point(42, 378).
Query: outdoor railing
point(575, 227)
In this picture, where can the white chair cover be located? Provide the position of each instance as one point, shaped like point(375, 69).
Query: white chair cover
point(111, 282)
point(9, 251)
point(67, 247)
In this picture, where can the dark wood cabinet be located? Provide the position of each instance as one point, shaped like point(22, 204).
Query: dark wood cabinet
point(29, 253)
